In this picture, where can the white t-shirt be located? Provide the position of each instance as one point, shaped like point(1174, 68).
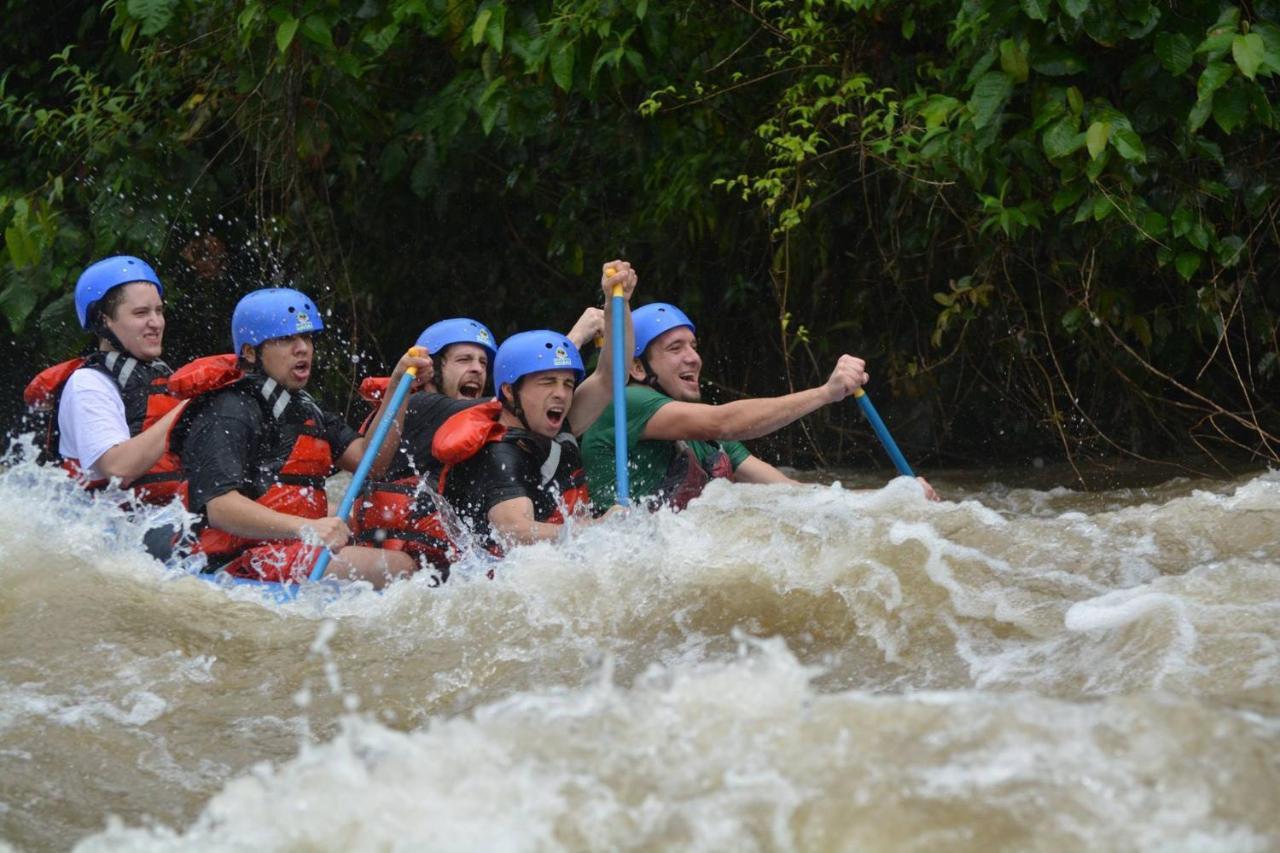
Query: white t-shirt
point(91, 418)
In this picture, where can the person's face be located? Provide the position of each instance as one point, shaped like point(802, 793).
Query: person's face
point(463, 369)
point(286, 360)
point(138, 320)
point(545, 397)
point(673, 358)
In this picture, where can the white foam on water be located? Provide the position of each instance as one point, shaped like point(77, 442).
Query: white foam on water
point(746, 754)
point(608, 687)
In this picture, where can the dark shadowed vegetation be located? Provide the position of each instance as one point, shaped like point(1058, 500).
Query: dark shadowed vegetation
point(1050, 225)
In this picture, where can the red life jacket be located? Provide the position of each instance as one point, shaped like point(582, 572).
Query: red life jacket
point(401, 516)
point(144, 391)
point(687, 476)
point(465, 433)
point(291, 483)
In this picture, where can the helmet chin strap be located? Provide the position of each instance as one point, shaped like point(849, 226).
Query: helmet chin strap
point(651, 378)
point(513, 405)
point(98, 325)
point(248, 366)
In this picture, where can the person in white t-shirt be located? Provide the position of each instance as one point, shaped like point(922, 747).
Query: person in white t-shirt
point(114, 412)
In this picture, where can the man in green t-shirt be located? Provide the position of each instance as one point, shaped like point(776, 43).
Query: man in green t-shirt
point(675, 442)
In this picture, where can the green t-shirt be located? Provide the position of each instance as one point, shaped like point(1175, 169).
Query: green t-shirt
point(647, 460)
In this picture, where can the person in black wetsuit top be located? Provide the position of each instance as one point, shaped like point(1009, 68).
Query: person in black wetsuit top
point(512, 466)
point(257, 449)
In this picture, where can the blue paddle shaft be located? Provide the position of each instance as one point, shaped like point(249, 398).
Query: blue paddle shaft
point(620, 400)
point(882, 433)
point(366, 462)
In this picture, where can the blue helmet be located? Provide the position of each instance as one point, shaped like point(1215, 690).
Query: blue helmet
point(273, 312)
point(459, 330)
point(652, 320)
point(106, 274)
point(534, 352)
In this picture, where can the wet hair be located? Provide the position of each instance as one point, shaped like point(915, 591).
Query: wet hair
point(100, 310)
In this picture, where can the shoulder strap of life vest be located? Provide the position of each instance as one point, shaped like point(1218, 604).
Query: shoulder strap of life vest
point(137, 380)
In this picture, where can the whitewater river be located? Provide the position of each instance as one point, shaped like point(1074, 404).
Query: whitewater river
point(778, 668)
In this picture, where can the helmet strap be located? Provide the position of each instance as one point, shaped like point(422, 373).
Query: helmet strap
point(254, 366)
point(513, 405)
point(98, 326)
point(651, 378)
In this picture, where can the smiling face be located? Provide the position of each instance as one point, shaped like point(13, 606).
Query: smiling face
point(463, 370)
point(286, 360)
point(545, 397)
point(673, 357)
point(137, 320)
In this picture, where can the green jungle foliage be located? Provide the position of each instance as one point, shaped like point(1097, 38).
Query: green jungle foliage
point(1048, 225)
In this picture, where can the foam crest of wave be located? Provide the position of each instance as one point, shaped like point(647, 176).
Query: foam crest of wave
point(747, 754)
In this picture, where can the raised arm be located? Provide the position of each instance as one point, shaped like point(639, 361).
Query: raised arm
point(417, 358)
point(596, 391)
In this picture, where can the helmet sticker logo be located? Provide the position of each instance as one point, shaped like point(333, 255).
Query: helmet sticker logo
point(482, 336)
point(562, 357)
point(304, 322)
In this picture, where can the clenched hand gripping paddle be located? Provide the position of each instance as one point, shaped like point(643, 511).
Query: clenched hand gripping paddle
point(366, 462)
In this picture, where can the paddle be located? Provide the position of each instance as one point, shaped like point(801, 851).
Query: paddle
point(620, 396)
point(366, 462)
point(882, 433)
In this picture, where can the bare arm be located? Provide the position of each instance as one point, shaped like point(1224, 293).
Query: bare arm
point(131, 459)
point(512, 520)
point(350, 458)
point(589, 327)
point(238, 515)
point(756, 470)
point(746, 419)
point(596, 391)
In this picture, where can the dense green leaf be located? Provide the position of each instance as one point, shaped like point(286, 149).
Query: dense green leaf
point(1229, 250)
point(1037, 10)
point(1075, 8)
point(1175, 52)
point(1248, 52)
point(1073, 319)
point(1129, 144)
point(1200, 112)
point(1068, 195)
point(562, 65)
point(1056, 61)
point(1198, 236)
point(1217, 44)
point(17, 301)
point(1103, 207)
point(1013, 60)
point(1231, 108)
point(285, 32)
point(316, 29)
point(154, 14)
point(1212, 78)
point(989, 96)
point(1183, 220)
point(480, 24)
point(1062, 139)
point(1075, 100)
point(1153, 223)
point(1096, 137)
point(1187, 263)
